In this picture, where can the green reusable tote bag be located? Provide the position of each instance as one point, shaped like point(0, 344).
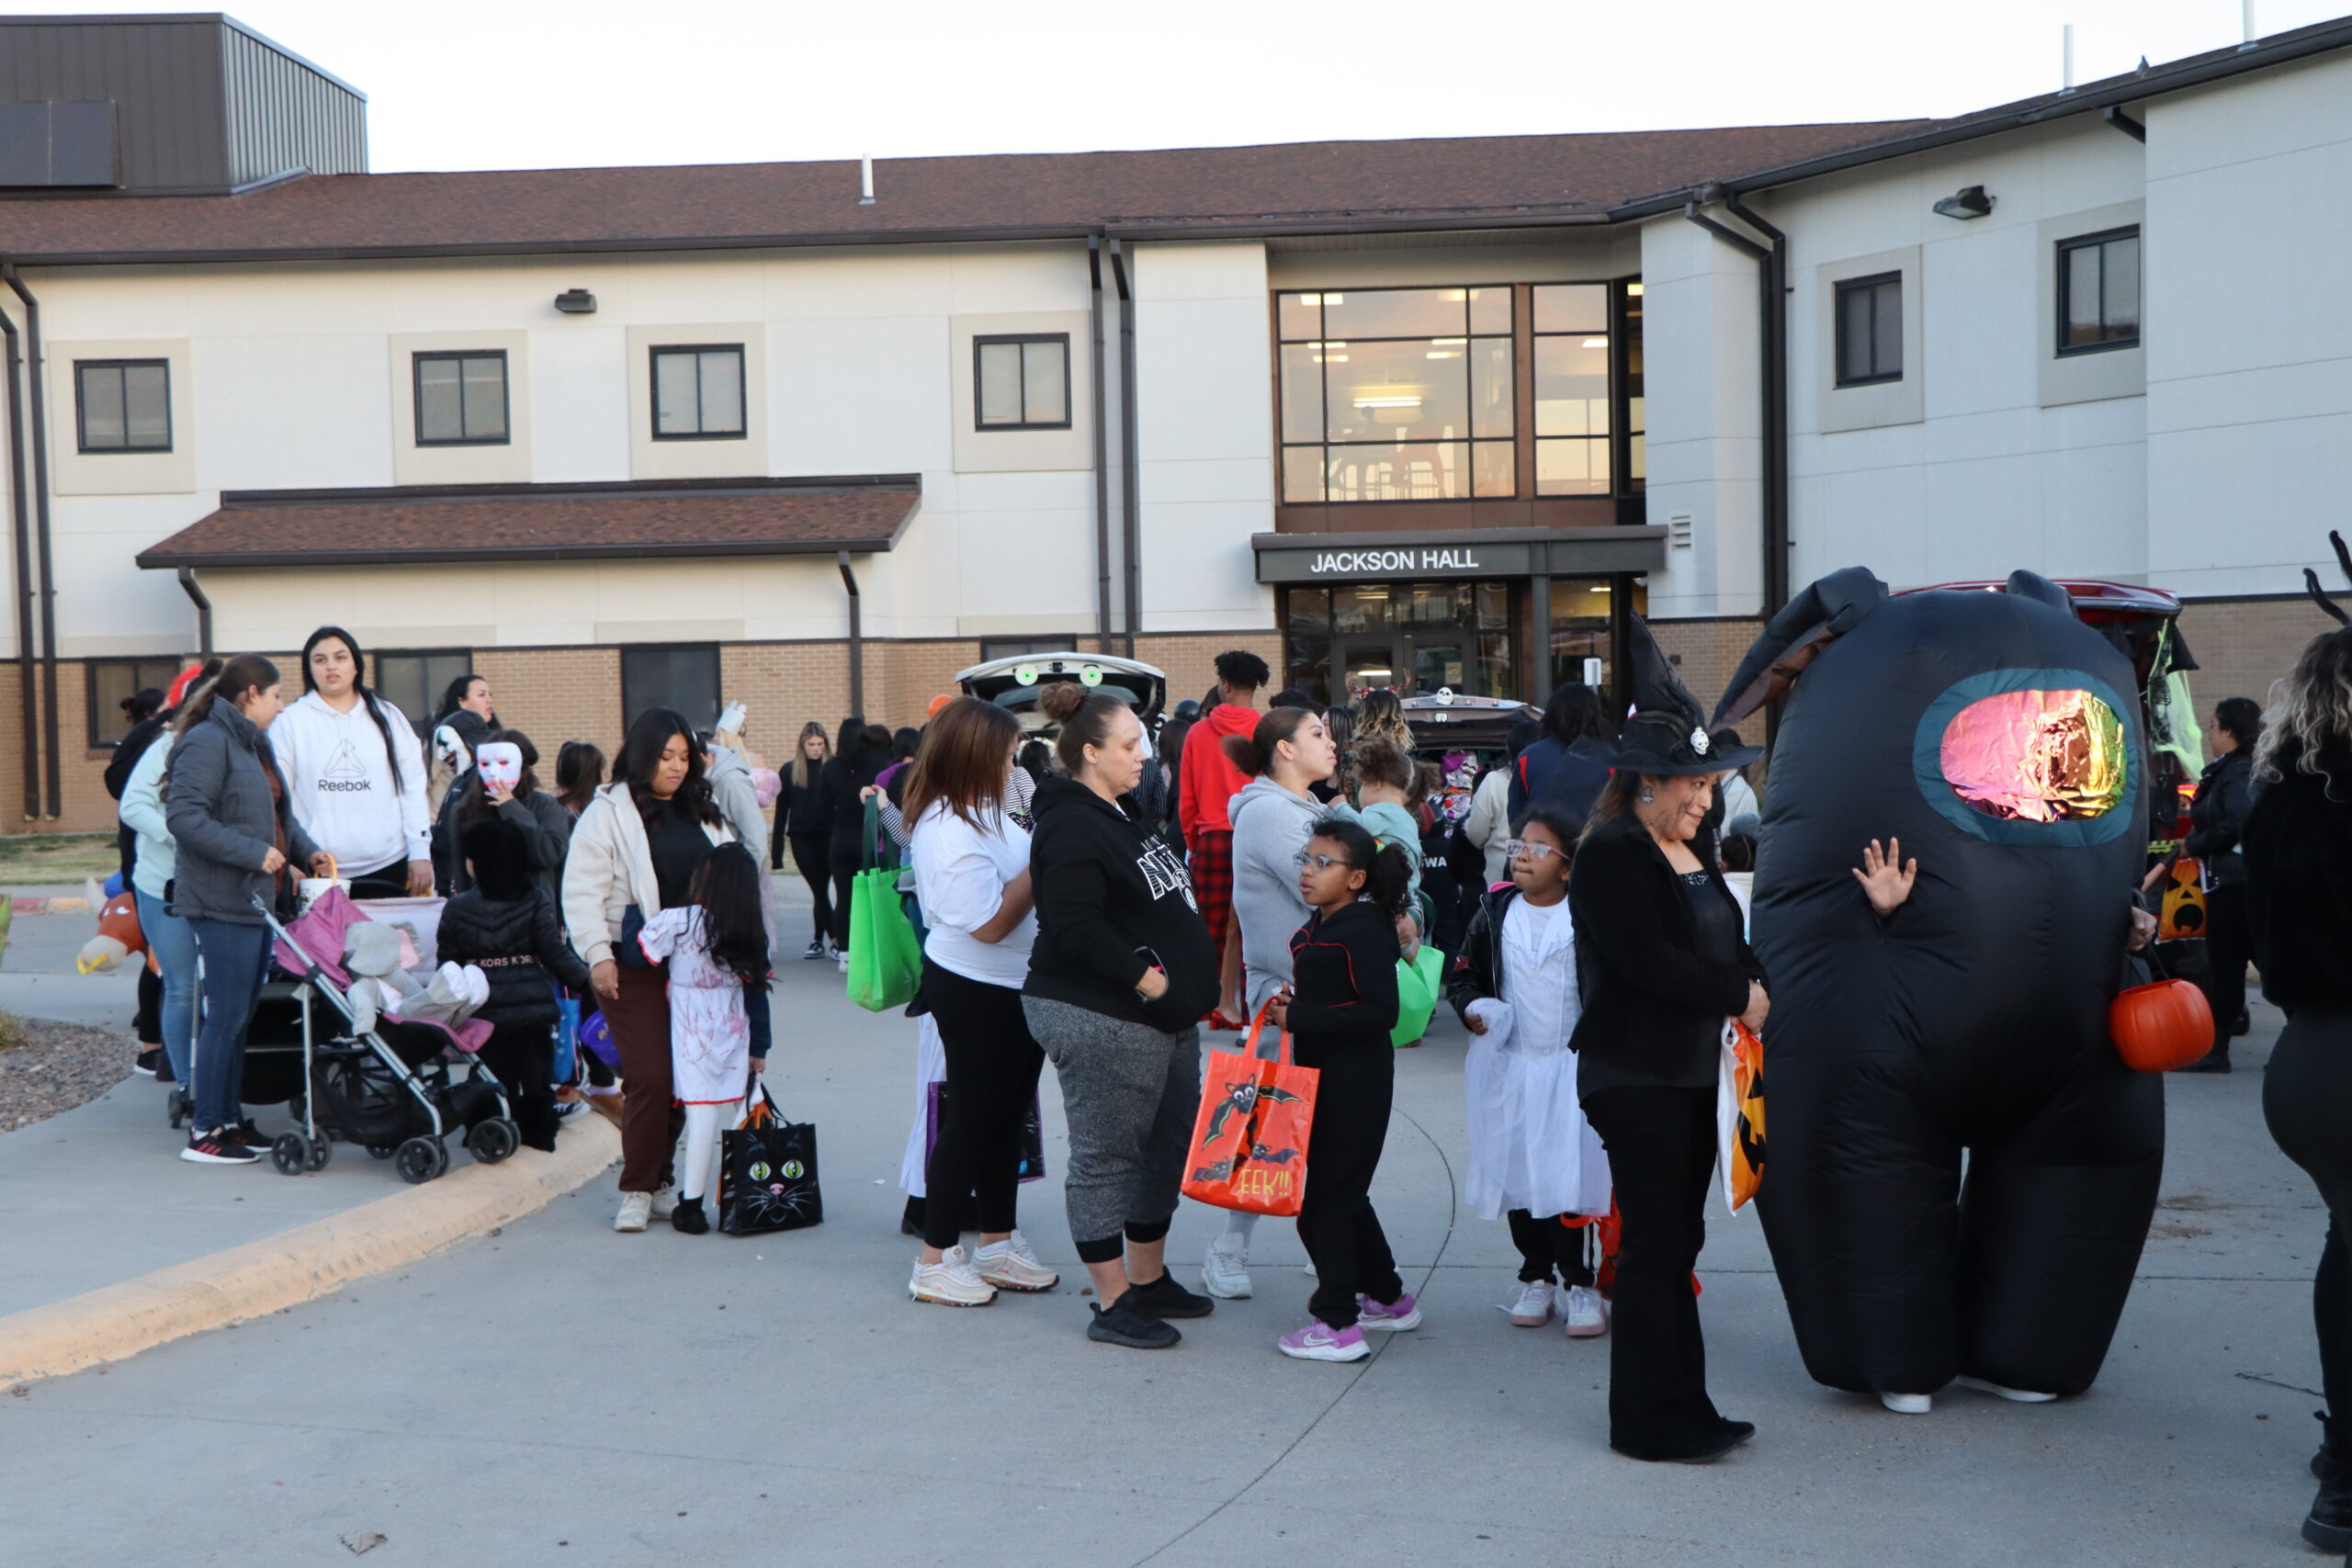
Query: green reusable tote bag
point(885, 958)
point(1419, 986)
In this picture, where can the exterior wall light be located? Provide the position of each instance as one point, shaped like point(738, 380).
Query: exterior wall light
point(576, 303)
point(1970, 202)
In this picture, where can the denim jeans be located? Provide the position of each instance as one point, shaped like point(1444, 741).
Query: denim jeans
point(236, 958)
point(172, 942)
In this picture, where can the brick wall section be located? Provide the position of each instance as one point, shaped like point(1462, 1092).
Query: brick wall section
point(2242, 647)
point(1704, 654)
point(1191, 660)
point(555, 695)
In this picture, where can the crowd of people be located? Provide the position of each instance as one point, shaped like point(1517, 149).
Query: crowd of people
point(1096, 900)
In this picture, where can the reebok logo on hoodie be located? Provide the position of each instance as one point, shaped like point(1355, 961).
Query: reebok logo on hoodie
point(344, 773)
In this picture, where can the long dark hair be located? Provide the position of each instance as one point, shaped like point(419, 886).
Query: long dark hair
point(453, 698)
point(367, 695)
point(734, 928)
point(850, 748)
point(1573, 713)
point(579, 773)
point(245, 673)
point(649, 734)
point(963, 762)
point(1388, 875)
point(474, 805)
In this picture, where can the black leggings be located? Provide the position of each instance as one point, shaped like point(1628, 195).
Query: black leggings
point(1336, 1220)
point(812, 852)
point(992, 1069)
point(2307, 1100)
point(1545, 1245)
point(847, 861)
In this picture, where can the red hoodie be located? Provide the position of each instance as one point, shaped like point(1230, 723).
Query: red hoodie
point(1209, 778)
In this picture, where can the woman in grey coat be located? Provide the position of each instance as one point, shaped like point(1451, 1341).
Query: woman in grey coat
point(237, 840)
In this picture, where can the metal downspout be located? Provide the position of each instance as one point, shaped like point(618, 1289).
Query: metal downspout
point(21, 526)
point(1773, 305)
point(1130, 490)
point(203, 610)
point(1102, 459)
point(856, 636)
point(40, 402)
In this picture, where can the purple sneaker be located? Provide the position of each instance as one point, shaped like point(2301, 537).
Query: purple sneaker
point(1318, 1341)
point(1401, 1313)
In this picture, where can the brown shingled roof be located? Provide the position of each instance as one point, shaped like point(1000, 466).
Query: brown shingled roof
point(1307, 186)
point(416, 525)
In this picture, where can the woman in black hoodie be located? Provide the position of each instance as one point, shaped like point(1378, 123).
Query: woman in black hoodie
point(1121, 970)
point(841, 787)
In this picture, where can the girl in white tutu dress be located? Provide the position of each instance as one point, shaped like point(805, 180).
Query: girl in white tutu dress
point(1534, 1158)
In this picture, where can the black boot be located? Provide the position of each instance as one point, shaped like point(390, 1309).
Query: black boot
point(2242, 1024)
point(2319, 1460)
point(2217, 1060)
point(2329, 1528)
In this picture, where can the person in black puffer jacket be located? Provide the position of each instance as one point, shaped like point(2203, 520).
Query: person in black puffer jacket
point(2217, 822)
point(507, 925)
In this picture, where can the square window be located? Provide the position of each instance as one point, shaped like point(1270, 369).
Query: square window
point(461, 398)
point(122, 405)
point(995, 648)
point(106, 683)
point(2098, 292)
point(684, 679)
point(1870, 330)
point(698, 392)
point(413, 680)
point(1022, 382)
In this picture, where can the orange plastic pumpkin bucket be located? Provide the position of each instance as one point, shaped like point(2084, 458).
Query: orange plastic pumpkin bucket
point(2160, 1027)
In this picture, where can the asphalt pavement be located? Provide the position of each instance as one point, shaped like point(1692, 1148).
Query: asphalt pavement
point(556, 1394)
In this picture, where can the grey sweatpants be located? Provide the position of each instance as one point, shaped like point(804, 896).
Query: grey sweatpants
point(1130, 1094)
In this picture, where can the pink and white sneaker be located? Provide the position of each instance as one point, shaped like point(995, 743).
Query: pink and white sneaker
point(1392, 1316)
point(1318, 1341)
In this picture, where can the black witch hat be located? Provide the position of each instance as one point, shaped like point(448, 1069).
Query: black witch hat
point(1667, 735)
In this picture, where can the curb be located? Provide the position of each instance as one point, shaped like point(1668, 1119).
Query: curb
point(115, 1322)
point(72, 906)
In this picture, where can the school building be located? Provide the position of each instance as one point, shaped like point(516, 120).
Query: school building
point(1426, 413)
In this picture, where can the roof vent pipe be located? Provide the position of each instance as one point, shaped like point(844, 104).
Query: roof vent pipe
point(865, 181)
point(2066, 58)
point(2246, 24)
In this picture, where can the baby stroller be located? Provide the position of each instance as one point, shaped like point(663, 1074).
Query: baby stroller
point(389, 1087)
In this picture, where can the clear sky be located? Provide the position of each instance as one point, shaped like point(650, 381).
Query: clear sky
point(500, 83)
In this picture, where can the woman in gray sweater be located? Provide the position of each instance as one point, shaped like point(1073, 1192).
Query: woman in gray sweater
point(237, 840)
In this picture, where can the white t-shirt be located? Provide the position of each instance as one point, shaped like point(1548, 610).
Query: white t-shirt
point(960, 873)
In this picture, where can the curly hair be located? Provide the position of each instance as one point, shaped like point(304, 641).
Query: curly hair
point(2309, 724)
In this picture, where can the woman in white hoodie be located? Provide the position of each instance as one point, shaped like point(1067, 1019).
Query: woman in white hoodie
point(354, 773)
point(633, 854)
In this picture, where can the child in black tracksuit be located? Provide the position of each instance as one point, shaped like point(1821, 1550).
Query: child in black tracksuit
point(506, 925)
point(1339, 1007)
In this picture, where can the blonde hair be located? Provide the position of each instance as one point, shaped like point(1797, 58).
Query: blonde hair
point(2310, 712)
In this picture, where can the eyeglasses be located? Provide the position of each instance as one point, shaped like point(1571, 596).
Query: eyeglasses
point(1320, 862)
point(1537, 852)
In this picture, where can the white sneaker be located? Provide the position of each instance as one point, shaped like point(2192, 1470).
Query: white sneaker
point(1585, 1315)
point(951, 1282)
point(636, 1208)
point(1010, 1265)
point(1909, 1404)
point(2022, 1396)
point(1225, 1269)
point(664, 1200)
point(842, 959)
point(1531, 1308)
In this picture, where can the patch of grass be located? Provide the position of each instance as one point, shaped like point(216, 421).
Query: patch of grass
point(13, 1032)
point(31, 859)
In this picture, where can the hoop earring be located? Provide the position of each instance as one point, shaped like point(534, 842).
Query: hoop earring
point(1648, 794)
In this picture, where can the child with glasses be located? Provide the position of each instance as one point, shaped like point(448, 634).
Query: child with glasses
point(1338, 1009)
point(1534, 1157)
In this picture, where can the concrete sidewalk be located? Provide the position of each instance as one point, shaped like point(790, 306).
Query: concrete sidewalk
point(557, 1393)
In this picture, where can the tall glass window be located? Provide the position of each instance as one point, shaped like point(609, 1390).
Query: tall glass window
point(1572, 388)
point(1396, 394)
point(2098, 292)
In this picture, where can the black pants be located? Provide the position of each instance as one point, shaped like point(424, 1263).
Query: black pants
point(1661, 1146)
point(846, 861)
point(1546, 1244)
point(992, 1069)
point(2307, 1101)
point(523, 1056)
point(2229, 947)
point(147, 1023)
point(813, 854)
point(387, 881)
point(1336, 1221)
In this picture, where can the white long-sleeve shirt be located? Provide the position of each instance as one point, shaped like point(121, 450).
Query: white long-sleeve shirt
point(340, 781)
